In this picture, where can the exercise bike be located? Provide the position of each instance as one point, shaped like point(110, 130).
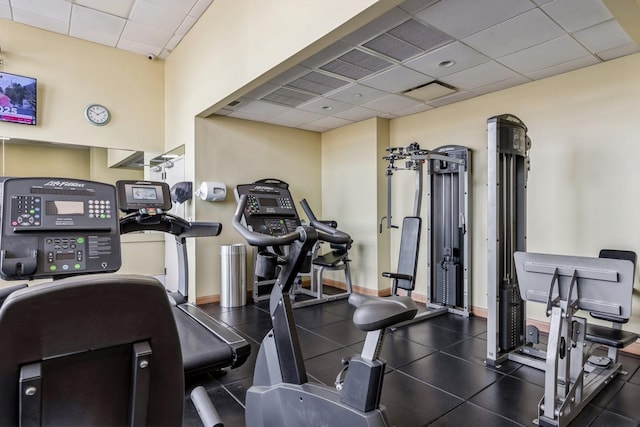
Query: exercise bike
point(281, 394)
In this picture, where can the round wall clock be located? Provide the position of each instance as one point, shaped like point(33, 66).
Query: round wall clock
point(97, 114)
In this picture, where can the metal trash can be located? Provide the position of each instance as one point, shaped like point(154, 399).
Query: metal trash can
point(233, 275)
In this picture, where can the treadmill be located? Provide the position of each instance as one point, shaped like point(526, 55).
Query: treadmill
point(206, 344)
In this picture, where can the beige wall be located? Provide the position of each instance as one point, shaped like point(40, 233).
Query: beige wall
point(582, 192)
point(73, 73)
point(350, 195)
point(239, 152)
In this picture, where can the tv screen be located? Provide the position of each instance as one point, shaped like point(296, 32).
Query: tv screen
point(17, 99)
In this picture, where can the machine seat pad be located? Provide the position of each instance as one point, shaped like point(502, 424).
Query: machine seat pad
point(373, 313)
point(610, 337)
point(330, 259)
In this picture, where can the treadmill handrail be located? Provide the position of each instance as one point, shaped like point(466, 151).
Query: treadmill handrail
point(168, 223)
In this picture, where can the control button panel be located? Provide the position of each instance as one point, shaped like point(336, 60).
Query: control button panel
point(99, 209)
point(65, 253)
point(26, 211)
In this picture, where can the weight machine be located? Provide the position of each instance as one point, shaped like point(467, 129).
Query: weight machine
point(508, 166)
point(566, 284)
point(448, 230)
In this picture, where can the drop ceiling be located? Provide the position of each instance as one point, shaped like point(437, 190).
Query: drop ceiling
point(446, 51)
point(146, 27)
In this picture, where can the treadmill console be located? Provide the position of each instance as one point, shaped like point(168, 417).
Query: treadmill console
point(270, 208)
point(54, 227)
point(140, 195)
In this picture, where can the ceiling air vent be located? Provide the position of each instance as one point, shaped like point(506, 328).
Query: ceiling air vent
point(430, 91)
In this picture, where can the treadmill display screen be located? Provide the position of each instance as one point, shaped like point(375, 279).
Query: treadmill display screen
point(144, 193)
point(64, 207)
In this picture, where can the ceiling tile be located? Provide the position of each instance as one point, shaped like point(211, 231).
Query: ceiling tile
point(574, 15)
point(181, 6)
point(413, 110)
point(290, 97)
point(5, 11)
point(464, 57)
point(384, 23)
point(456, 97)
point(413, 6)
point(173, 42)
point(317, 83)
point(260, 91)
point(356, 64)
point(544, 55)
point(299, 116)
point(396, 80)
point(120, 8)
point(330, 123)
point(585, 61)
point(601, 37)
point(392, 47)
point(96, 26)
point(504, 84)
point(325, 106)
point(263, 109)
point(35, 20)
point(291, 74)
point(357, 94)
point(138, 47)
point(58, 10)
point(627, 49)
point(326, 55)
point(157, 17)
point(246, 116)
point(471, 16)
point(4, 2)
point(200, 7)
point(520, 32)
point(357, 114)
point(480, 75)
point(391, 103)
point(186, 25)
point(420, 35)
point(140, 33)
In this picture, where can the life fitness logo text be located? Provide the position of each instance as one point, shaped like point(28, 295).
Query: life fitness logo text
point(64, 184)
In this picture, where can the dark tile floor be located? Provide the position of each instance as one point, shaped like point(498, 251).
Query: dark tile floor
point(435, 372)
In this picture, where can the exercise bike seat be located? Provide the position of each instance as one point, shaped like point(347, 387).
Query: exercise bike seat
point(373, 313)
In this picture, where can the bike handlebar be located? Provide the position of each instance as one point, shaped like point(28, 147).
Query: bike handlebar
point(259, 239)
point(326, 232)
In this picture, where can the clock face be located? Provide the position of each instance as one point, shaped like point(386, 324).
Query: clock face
point(97, 114)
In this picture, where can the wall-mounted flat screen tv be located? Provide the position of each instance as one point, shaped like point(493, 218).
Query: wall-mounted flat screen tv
point(17, 99)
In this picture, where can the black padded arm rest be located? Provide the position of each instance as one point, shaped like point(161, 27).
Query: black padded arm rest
point(5, 292)
point(397, 276)
point(380, 313)
point(610, 318)
point(330, 259)
point(610, 337)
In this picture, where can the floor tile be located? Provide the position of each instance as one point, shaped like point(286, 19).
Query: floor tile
point(451, 374)
point(626, 402)
point(430, 335)
point(468, 413)
point(512, 398)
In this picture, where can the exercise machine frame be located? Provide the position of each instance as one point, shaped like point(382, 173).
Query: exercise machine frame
point(566, 284)
point(508, 168)
point(448, 231)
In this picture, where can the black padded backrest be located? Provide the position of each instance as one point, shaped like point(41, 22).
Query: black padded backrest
point(617, 254)
point(82, 330)
point(409, 247)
